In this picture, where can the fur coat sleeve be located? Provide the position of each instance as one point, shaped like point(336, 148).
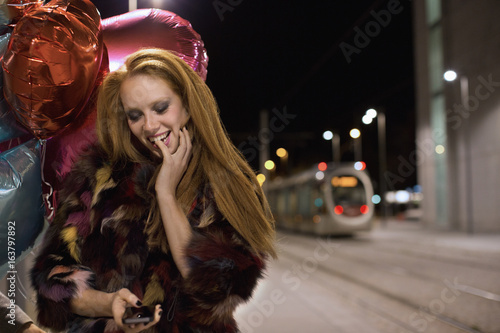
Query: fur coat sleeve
point(223, 271)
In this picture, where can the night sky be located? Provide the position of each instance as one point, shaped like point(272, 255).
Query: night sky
point(308, 62)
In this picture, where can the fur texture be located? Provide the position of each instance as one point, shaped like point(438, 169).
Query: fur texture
point(97, 240)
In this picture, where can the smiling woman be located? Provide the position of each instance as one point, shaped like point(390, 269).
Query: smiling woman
point(164, 212)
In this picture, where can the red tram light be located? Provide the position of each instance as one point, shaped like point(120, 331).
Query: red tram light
point(364, 209)
point(338, 209)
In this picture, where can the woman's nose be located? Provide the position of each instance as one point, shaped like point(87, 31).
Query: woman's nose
point(151, 125)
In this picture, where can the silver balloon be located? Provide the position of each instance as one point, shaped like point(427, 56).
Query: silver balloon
point(21, 204)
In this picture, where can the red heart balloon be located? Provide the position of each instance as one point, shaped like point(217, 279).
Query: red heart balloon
point(51, 64)
point(142, 28)
point(17, 8)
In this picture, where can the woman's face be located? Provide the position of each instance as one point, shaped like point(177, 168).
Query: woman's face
point(155, 113)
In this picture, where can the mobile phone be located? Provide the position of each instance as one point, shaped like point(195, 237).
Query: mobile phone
point(144, 314)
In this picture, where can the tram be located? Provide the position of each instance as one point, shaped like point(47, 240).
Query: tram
point(336, 201)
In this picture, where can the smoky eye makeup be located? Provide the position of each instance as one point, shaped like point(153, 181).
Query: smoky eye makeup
point(133, 115)
point(161, 107)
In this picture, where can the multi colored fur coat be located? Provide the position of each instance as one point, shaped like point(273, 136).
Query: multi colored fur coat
point(97, 240)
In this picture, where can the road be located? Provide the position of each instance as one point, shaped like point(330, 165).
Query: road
point(397, 278)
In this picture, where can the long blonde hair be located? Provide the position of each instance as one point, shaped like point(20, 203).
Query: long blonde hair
point(215, 159)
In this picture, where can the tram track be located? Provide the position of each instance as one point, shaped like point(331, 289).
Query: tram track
point(414, 306)
point(386, 315)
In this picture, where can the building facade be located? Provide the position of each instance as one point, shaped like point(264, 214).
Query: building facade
point(458, 121)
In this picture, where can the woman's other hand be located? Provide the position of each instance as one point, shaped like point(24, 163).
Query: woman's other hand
point(124, 298)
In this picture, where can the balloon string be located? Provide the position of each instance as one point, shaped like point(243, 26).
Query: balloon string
point(46, 197)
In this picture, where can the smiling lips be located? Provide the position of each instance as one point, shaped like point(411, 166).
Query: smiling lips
point(165, 138)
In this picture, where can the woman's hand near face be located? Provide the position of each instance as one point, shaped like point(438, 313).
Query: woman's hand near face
point(175, 222)
point(173, 165)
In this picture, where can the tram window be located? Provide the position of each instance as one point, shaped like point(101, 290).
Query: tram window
point(293, 201)
point(304, 198)
point(316, 202)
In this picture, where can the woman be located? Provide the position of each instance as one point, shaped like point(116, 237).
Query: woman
point(163, 212)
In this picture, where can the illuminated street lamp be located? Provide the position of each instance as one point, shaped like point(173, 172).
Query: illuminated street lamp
point(382, 154)
point(329, 135)
point(269, 165)
point(356, 135)
point(261, 178)
point(451, 76)
point(282, 153)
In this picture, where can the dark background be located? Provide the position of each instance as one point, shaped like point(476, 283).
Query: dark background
point(286, 56)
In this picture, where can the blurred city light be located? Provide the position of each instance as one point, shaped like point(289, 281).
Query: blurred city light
point(318, 202)
point(327, 135)
point(360, 165)
point(269, 165)
point(372, 113)
point(439, 149)
point(281, 152)
point(261, 179)
point(402, 197)
point(367, 119)
point(355, 133)
point(376, 199)
point(320, 175)
point(450, 75)
point(322, 166)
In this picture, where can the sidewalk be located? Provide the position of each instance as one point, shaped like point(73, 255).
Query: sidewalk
point(415, 232)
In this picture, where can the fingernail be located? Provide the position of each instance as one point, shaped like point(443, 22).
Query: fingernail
point(138, 303)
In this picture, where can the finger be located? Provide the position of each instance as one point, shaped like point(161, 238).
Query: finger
point(158, 314)
point(189, 146)
point(184, 142)
point(163, 148)
point(125, 298)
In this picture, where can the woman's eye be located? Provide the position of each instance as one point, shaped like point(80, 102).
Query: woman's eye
point(161, 108)
point(133, 116)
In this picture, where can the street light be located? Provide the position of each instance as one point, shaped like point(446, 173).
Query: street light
point(329, 135)
point(451, 76)
point(382, 155)
point(282, 153)
point(269, 165)
point(356, 134)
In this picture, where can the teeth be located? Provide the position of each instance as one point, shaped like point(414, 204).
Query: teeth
point(161, 137)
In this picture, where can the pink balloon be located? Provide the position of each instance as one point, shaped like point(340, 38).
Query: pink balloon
point(142, 28)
